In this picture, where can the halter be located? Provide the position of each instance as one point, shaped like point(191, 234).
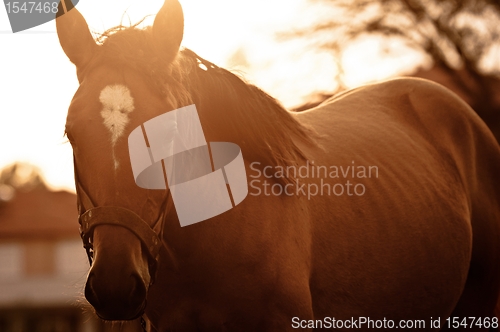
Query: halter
point(91, 216)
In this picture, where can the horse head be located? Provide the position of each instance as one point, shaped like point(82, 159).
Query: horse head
point(111, 100)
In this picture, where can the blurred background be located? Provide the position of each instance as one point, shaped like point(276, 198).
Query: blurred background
point(299, 51)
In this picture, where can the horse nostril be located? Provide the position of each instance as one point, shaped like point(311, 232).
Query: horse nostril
point(138, 290)
point(90, 293)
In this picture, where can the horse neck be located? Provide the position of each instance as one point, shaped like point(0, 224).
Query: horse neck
point(233, 111)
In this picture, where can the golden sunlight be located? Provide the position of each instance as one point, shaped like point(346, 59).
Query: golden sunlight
point(240, 36)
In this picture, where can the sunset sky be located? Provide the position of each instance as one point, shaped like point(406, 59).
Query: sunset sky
point(37, 81)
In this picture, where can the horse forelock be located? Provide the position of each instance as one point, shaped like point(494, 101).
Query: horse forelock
point(265, 130)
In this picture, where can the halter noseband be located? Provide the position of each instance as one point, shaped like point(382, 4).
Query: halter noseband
point(116, 216)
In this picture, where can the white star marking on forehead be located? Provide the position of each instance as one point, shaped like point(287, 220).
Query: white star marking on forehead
point(117, 103)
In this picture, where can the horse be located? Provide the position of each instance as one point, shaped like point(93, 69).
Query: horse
point(379, 208)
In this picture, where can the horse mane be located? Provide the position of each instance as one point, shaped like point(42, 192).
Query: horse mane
point(263, 128)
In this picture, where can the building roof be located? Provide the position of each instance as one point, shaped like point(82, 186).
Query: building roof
point(37, 214)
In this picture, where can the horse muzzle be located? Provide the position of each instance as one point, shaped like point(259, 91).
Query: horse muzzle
point(123, 252)
point(123, 299)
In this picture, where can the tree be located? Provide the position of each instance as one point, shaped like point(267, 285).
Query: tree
point(22, 176)
point(460, 36)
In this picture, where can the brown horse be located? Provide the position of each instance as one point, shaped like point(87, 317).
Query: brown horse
point(379, 208)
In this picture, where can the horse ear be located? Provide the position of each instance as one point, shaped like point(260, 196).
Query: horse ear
point(168, 29)
point(74, 35)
